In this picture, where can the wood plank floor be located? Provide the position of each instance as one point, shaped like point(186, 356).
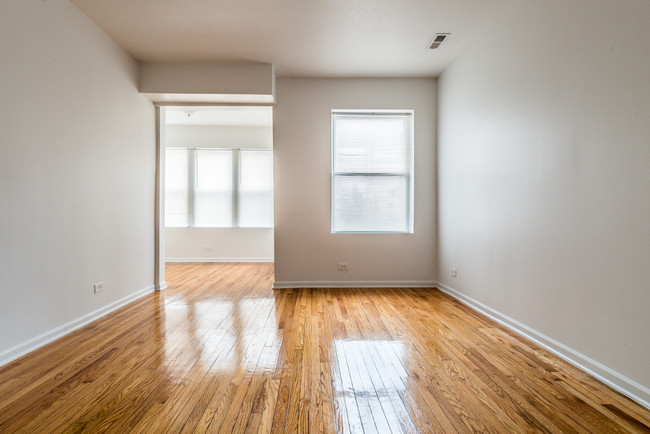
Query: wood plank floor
point(220, 351)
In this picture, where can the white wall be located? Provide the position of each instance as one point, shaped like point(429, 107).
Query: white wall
point(208, 83)
point(213, 136)
point(219, 244)
point(544, 177)
point(76, 173)
point(306, 252)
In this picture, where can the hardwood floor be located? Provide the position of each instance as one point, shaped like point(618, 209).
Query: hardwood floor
point(220, 351)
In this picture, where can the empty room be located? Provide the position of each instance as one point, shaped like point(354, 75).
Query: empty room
point(324, 216)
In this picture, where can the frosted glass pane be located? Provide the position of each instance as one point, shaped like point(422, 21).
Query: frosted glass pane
point(371, 204)
point(372, 144)
point(213, 188)
point(176, 187)
point(256, 189)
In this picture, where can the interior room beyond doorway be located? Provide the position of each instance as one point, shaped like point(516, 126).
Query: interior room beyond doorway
point(219, 184)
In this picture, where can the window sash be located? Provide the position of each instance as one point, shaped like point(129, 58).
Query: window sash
point(370, 154)
point(177, 189)
point(213, 187)
point(255, 189)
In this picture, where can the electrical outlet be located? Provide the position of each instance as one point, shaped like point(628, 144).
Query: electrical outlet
point(98, 287)
point(343, 266)
point(453, 272)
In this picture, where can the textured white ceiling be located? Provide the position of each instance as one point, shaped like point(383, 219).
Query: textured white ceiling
point(322, 38)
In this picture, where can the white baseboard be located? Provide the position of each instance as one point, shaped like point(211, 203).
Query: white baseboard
point(619, 382)
point(13, 353)
point(161, 286)
point(218, 259)
point(354, 284)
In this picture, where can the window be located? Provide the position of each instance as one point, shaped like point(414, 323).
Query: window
point(255, 189)
point(176, 187)
point(372, 171)
point(213, 188)
point(218, 188)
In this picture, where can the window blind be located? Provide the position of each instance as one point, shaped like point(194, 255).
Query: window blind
point(213, 192)
point(255, 198)
point(176, 187)
point(219, 188)
point(372, 172)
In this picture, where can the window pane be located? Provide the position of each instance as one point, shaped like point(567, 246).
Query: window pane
point(176, 187)
point(256, 189)
point(371, 204)
point(213, 190)
point(371, 144)
point(371, 172)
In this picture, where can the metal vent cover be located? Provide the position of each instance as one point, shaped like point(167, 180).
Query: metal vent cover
point(437, 40)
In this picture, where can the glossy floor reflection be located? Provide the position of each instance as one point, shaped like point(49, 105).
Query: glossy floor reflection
point(220, 351)
point(368, 378)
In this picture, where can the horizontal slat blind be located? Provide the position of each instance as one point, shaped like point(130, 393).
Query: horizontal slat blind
point(176, 187)
point(219, 188)
point(255, 189)
point(371, 172)
point(213, 188)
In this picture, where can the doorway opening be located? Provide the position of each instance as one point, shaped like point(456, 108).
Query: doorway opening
point(216, 180)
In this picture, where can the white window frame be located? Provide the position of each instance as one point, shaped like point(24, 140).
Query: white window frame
point(410, 175)
point(236, 169)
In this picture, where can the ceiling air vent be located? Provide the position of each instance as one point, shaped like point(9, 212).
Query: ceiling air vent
point(439, 39)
